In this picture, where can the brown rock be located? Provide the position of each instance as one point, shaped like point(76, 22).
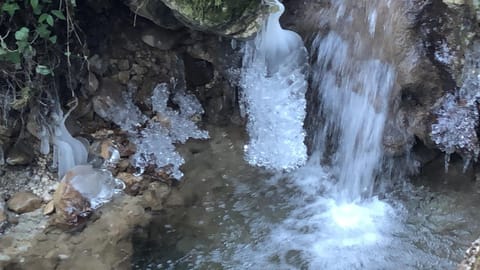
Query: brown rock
point(3, 214)
point(123, 77)
point(24, 202)
point(70, 205)
point(49, 208)
point(133, 184)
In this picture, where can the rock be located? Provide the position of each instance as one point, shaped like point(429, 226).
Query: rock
point(157, 12)
point(124, 64)
point(24, 202)
point(97, 64)
point(198, 72)
point(49, 208)
point(20, 154)
point(155, 196)
point(3, 214)
point(133, 184)
point(471, 260)
point(123, 77)
point(92, 83)
point(160, 38)
point(71, 207)
point(232, 18)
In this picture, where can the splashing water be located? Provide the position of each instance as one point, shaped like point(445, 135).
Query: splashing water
point(274, 86)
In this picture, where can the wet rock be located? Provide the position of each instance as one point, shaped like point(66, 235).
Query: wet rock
point(155, 196)
point(71, 207)
point(24, 202)
point(133, 184)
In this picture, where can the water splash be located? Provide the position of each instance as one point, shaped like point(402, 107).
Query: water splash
point(274, 85)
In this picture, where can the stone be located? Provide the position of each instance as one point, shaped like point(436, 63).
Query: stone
point(123, 64)
point(97, 64)
point(157, 12)
point(20, 154)
point(160, 38)
point(92, 83)
point(123, 77)
point(24, 202)
point(133, 184)
point(3, 214)
point(71, 207)
point(49, 208)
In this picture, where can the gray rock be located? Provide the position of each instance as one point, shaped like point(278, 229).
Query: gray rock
point(24, 202)
point(160, 38)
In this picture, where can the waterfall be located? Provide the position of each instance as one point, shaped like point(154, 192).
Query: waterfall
point(353, 85)
point(274, 85)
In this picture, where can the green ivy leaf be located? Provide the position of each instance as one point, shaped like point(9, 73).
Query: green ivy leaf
point(43, 70)
point(42, 31)
point(50, 20)
point(53, 39)
point(13, 57)
point(22, 34)
point(10, 8)
point(58, 14)
point(42, 17)
point(34, 3)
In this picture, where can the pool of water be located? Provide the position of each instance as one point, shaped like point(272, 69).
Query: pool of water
point(234, 216)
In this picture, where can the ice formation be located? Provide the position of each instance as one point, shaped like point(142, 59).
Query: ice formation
point(155, 142)
point(455, 130)
point(68, 151)
point(96, 185)
point(274, 85)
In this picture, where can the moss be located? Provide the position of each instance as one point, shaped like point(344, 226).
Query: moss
point(228, 17)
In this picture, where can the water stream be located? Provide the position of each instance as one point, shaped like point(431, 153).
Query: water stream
point(325, 214)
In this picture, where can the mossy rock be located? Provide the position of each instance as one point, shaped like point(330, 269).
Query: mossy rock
point(232, 18)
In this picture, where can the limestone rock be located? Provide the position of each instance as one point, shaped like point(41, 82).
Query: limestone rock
point(24, 202)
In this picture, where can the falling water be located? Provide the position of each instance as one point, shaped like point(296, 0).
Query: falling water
point(324, 214)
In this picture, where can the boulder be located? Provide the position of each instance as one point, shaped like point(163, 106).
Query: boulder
point(231, 18)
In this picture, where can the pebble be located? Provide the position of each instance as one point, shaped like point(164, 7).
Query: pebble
point(24, 202)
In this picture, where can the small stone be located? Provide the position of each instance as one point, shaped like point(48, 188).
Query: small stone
point(49, 208)
point(123, 77)
point(3, 214)
point(124, 65)
point(138, 69)
point(24, 202)
point(92, 83)
point(69, 204)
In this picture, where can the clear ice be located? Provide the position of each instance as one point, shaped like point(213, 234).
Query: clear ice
point(273, 97)
point(155, 142)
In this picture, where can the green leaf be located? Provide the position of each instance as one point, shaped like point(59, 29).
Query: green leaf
point(10, 8)
point(53, 39)
point(3, 51)
point(58, 14)
point(22, 34)
point(43, 17)
point(42, 31)
point(22, 45)
point(34, 3)
point(43, 70)
point(50, 20)
point(13, 57)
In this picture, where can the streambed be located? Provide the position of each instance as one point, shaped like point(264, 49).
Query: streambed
point(239, 217)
